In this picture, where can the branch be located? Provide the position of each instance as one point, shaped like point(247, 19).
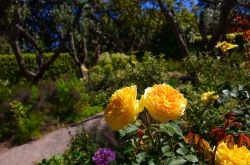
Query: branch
point(28, 37)
point(19, 59)
point(13, 40)
point(72, 49)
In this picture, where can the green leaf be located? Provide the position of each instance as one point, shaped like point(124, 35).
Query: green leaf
point(141, 156)
point(169, 154)
point(171, 129)
point(129, 130)
point(191, 158)
point(151, 162)
point(182, 151)
point(165, 149)
point(177, 161)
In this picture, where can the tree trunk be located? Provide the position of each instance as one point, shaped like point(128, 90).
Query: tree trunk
point(176, 29)
point(17, 32)
point(202, 29)
point(20, 61)
point(221, 29)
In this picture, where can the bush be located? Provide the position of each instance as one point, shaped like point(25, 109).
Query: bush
point(20, 124)
point(117, 60)
point(210, 71)
point(145, 73)
point(32, 109)
point(11, 72)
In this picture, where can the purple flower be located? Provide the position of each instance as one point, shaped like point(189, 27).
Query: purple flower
point(103, 156)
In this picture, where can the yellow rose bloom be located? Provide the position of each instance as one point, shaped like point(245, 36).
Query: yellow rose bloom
point(208, 97)
point(163, 102)
point(225, 46)
point(123, 108)
point(231, 36)
point(236, 156)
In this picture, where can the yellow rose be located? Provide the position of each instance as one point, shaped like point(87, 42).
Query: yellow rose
point(123, 108)
point(163, 102)
point(208, 97)
point(231, 36)
point(225, 46)
point(236, 156)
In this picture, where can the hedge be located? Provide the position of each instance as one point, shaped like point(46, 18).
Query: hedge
point(10, 71)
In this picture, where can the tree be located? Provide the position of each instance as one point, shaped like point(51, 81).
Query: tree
point(32, 26)
point(223, 11)
point(216, 25)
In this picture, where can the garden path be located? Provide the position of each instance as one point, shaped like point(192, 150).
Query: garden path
point(51, 144)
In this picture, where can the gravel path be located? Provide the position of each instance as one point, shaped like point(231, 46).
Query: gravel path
point(51, 144)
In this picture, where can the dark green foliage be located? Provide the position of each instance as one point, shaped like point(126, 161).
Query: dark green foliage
point(31, 109)
point(20, 121)
point(68, 100)
point(11, 72)
point(168, 145)
point(165, 42)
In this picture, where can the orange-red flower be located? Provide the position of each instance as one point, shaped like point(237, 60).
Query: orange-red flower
point(246, 35)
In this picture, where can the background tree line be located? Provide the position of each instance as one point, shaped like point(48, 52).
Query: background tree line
point(86, 28)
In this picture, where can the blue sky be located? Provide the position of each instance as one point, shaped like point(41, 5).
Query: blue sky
point(153, 5)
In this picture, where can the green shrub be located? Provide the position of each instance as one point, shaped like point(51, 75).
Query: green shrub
point(145, 73)
point(211, 71)
point(11, 72)
point(23, 125)
point(68, 100)
point(117, 60)
point(55, 102)
point(90, 111)
point(30, 128)
point(5, 90)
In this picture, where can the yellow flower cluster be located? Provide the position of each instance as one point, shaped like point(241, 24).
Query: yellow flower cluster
point(162, 101)
point(208, 97)
point(236, 156)
point(225, 46)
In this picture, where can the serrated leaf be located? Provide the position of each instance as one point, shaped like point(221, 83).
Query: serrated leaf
point(182, 151)
point(177, 161)
point(191, 158)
